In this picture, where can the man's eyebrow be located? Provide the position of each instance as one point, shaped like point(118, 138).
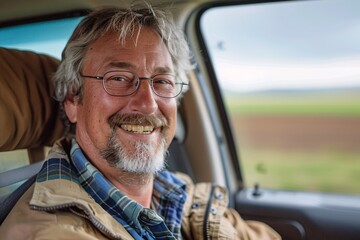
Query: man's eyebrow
point(121, 65)
point(126, 65)
point(163, 70)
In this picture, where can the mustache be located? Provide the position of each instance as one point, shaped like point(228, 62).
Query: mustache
point(138, 119)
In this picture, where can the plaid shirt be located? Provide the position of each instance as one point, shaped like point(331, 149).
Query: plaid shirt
point(142, 223)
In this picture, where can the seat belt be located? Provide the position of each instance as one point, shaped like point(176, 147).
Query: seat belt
point(19, 174)
point(9, 202)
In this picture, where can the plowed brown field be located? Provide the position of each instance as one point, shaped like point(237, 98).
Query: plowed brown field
point(298, 132)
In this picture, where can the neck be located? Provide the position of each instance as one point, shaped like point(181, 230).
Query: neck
point(136, 186)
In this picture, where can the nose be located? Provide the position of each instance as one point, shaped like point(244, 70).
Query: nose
point(144, 99)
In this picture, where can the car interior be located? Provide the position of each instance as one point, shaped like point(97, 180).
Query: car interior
point(203, 147)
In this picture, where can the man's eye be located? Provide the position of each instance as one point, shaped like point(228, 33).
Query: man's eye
point(119, 79)
point(163, 82)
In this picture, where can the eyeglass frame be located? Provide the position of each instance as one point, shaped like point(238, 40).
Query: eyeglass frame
point(149, 79)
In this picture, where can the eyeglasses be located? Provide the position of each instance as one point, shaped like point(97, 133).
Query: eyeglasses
point(125, 83)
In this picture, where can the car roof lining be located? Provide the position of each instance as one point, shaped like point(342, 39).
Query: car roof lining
point(19, 11)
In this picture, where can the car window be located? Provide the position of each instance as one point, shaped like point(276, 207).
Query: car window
point(48, 38)
point(290, 79)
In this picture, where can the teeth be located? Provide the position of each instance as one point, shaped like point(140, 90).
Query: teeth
point(138, 128)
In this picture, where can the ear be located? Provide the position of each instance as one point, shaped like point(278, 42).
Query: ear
point(71, 104)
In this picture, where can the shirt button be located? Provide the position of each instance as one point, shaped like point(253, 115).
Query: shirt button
point(213, 211)
point(219, 196)
point(195, 205)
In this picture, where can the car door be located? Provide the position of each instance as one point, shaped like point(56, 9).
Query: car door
point(284, 82)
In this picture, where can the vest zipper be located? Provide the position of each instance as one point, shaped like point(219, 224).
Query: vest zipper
point(207, 212)
point(87, 215)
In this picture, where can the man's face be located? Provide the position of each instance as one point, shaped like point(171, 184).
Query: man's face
point(131, 133)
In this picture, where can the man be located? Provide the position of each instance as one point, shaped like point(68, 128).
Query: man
point(119, 82)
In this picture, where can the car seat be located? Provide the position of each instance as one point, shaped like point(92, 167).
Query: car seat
point(29, 116)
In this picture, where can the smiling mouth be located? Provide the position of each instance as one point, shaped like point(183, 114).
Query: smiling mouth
point(139, 129)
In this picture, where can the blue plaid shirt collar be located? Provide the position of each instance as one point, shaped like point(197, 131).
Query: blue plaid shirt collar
point(168, 201)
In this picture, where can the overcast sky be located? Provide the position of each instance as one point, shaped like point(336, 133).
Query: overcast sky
point(304, 44)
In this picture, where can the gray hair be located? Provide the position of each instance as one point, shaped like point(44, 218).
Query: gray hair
point(124, 22)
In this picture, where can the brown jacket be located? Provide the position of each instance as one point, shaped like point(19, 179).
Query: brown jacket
point(61, 209)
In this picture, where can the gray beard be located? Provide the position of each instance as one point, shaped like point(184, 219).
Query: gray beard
point(142, 158)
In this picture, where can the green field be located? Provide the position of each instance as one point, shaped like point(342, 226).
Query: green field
point(327, 103)
point(325, 171)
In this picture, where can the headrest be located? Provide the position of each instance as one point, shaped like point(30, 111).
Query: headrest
point(29, 116)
